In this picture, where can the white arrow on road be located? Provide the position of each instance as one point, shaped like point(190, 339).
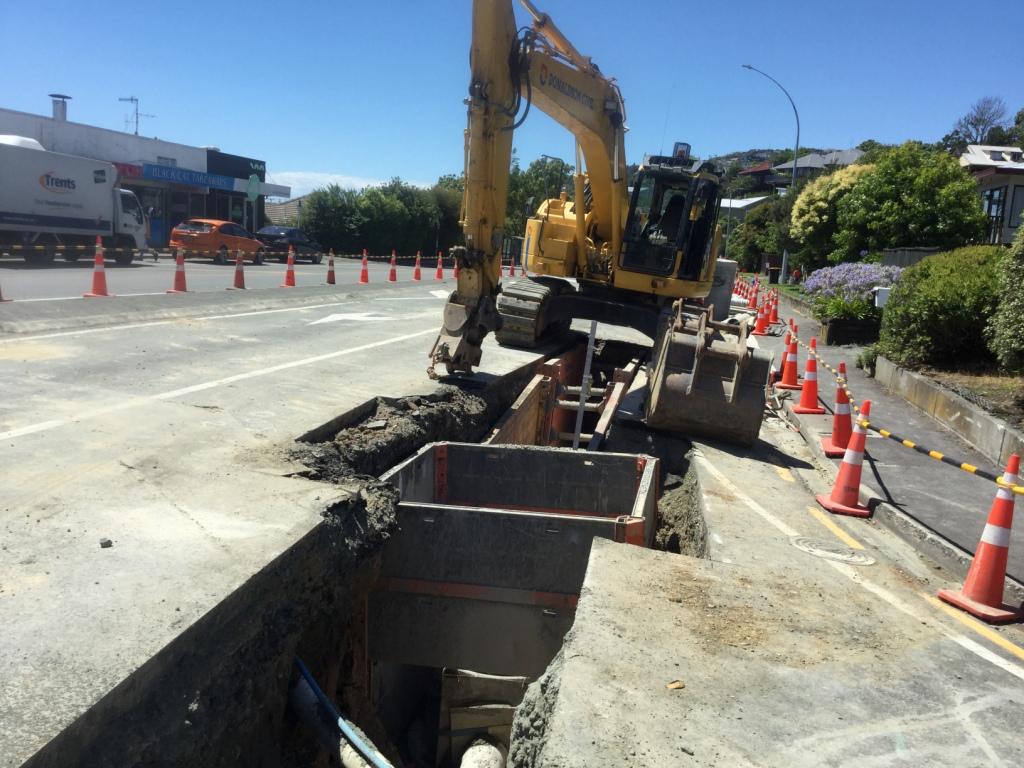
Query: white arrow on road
point(359, 317)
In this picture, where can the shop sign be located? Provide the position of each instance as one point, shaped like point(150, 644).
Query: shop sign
point(128, 171)
point(187, 177)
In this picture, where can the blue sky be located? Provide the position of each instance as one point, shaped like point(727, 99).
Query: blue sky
point(363, 91)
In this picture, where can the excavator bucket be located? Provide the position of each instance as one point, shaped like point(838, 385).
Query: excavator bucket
point(705, 381)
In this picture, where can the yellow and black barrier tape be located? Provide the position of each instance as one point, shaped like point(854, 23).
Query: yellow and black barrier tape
point(931, 454)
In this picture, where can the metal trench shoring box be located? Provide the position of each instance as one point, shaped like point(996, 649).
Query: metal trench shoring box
point(486, 568)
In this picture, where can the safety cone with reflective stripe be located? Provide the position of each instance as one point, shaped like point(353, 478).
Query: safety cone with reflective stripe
point(773, 315)
point(982, 593)
point(834, 445)
point(761, 326)
point(289, 273)
point(239, 284)
point(439, 272)
point(752, 297)
point(789, 374)
point(416, 273)
point(331, 279)
point(809, 390)
point(845, 496)
point(179, 275)
point(393, 272)
point(99, 274)
point(364, 272)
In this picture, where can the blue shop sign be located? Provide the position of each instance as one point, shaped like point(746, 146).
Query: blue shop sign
point(187, 177)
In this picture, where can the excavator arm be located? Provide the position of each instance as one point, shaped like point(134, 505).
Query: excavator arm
point(509, 74)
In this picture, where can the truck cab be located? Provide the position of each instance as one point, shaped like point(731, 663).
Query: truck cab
point(130, 223)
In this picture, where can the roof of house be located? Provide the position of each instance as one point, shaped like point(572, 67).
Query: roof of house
point(741, 204)
point(987, 156)
point(821, 161)
point(759, 168)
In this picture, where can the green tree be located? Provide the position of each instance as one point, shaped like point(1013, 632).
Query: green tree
point(543, 179)
point(764, 233)
point(916, 196)
point(814, 221)
point(332, 216)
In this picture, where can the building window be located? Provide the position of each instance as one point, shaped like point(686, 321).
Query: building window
point(169, 161)
point(1017, 206)
point(992, 202)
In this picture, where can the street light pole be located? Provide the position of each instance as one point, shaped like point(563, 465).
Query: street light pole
point(796, 148)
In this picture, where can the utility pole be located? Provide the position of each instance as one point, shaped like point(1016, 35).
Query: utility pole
point(796, 148)
point(134, 117)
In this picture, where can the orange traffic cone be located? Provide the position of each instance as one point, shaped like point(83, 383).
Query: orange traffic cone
point(789, 375)
point(393, 272)
point(845, 496)
point(773, 316)
point(809, 390)
point(982, 593)
point(179, 275)
point(439, 272)
point(330, 267)
point(752, 300)
point(834, 445)
point(99, 275)
point(239, 284)
point(2, 299)
point(761, 326)
point(364, 273)
point(289, 274)
point(416, 274)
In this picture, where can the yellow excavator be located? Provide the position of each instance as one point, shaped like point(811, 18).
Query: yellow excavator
point(643, 258)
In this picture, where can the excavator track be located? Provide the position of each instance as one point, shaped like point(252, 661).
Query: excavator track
point(524, 306)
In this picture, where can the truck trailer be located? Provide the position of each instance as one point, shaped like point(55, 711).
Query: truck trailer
point(53, 203)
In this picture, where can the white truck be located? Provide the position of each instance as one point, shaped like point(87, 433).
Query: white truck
point(52, 203)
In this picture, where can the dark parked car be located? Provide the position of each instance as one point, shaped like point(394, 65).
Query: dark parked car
point(279, 238)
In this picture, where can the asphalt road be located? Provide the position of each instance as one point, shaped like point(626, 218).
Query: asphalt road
point(169, 437)
point(69, 280)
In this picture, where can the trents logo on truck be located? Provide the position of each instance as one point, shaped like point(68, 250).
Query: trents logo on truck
point(52, 183)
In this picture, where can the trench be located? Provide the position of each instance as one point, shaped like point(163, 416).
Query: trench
point(424, 605)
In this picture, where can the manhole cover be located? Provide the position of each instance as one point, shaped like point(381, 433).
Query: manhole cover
point(831, 551)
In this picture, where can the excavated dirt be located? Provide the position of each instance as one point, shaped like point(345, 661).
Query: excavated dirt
point(395, 428)
point(681, 526)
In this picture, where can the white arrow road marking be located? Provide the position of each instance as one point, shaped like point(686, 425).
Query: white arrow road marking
point(363, 317)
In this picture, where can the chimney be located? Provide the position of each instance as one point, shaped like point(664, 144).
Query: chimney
point(60, 107)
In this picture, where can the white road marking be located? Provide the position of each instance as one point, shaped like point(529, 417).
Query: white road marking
point(154, 323)
point(364, 317)
point(45, 426)
point(855, 576)
point(441, 294)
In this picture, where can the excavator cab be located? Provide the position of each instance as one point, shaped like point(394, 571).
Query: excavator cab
point(672, 216)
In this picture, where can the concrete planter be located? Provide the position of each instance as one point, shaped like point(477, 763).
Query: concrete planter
point(992, 436)
point(848, 331)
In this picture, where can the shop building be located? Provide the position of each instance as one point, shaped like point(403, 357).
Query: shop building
point(173, 181)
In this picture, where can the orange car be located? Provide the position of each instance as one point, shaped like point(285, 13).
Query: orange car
point(220, 239)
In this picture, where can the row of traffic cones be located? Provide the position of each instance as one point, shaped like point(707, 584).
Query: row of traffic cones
point(180, 285)
point(983, 589)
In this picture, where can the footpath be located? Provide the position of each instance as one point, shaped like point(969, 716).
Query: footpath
point(942, 498)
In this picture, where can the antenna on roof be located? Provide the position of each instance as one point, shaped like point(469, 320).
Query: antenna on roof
point(134, 117)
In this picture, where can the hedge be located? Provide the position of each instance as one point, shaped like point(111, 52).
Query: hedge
point(938, 312)
point(1006, 327)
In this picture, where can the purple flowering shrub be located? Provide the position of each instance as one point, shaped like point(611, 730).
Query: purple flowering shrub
point(844, 291)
